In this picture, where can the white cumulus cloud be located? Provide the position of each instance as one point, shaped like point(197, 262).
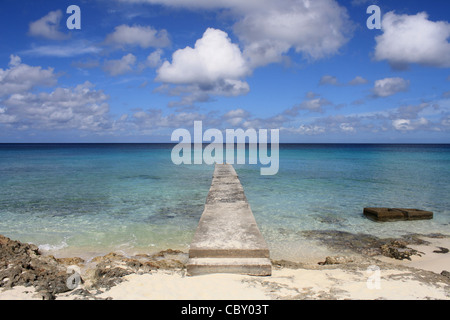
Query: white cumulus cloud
point(48, 26)
point(74, 48)
point(213, 58)
point(121, 66)
point(79, 108)
point(357, 81)
point(268, 29)
point(20, 77)
point(236, 117)
point(410, 39)
point(314, 29)
point(409, 125)
point(389, 86)
point(215, 66)
point(154, 59)
point(143, 36)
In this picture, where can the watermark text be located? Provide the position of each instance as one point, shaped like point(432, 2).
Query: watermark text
point(214, 152)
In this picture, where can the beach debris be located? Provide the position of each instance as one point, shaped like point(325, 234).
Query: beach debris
point(441, 250)
point(396, 214)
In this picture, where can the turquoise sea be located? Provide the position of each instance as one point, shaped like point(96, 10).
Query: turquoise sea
point(91, 199)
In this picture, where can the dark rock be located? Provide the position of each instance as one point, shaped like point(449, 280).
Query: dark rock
point(396, 214)
point(45, 295)
point(81, 292)
point(340, 240)
point(106, 276)
point(108, 258)
point(445, 273)
point(105, 273)
point(441, 250)
point(367, 245)
point(111, 268)
point(398, 249)
point(165, 253)
point(22, 264)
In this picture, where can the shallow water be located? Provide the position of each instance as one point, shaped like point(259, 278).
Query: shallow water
point(132, 198)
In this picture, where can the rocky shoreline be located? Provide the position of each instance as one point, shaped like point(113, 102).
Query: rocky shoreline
point(22, 264)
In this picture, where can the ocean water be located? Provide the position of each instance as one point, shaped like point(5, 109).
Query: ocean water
point(91, 199)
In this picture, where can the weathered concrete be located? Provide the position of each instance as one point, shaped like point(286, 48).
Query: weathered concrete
point(227, 239)
point(396, 214)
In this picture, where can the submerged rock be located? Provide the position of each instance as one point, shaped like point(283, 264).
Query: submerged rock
point(345, 241)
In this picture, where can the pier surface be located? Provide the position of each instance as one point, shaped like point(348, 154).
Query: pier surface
point(227, 239)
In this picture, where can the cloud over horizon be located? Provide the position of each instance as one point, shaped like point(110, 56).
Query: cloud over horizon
point(309, 68)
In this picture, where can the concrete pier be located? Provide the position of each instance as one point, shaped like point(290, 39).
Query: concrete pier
point(227, 239)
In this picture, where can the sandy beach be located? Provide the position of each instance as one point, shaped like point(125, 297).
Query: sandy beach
point(163, 277)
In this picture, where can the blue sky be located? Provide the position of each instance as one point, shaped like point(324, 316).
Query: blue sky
point(138, 69)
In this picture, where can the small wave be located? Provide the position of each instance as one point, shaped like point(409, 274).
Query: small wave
point(53, 247)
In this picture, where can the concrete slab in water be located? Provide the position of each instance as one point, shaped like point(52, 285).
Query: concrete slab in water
point(227, 239)
point(396, 214)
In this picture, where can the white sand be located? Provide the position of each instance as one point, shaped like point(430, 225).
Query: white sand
point(283, 284)
point(431, 261)
point(169, 286)
point(18, 293)
point(391, 281)
point(318, 283)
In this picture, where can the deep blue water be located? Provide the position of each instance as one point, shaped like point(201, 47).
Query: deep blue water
point(96, 198)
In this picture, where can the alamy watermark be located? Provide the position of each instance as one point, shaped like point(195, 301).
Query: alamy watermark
point(374, 277)
point(214, 152)
point(74, 20)
point(374, 21)
point(74, 280)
